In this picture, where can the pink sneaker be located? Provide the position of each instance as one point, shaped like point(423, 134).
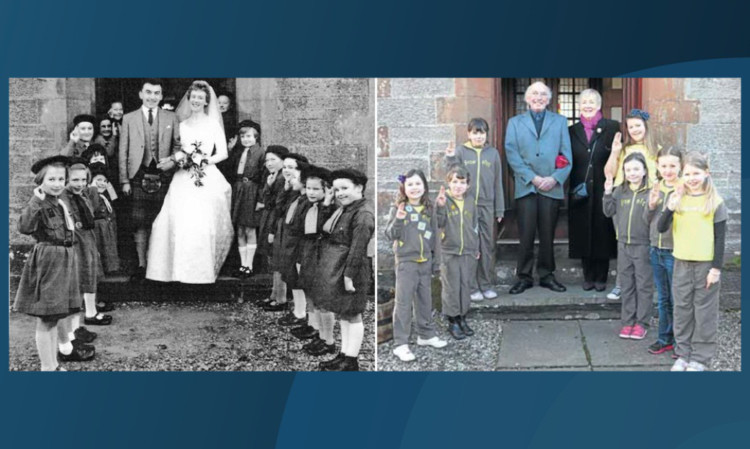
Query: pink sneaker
point(639, 332)
point(626, 331)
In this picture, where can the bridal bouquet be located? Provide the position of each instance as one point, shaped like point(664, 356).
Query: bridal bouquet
point(194, 162)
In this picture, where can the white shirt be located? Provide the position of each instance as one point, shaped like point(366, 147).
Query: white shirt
point(145, 112)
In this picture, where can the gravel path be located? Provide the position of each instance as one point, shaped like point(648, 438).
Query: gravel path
point(480, 352)
point(188, 337)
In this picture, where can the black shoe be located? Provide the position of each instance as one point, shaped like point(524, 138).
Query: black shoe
point(322, 349)
point(347, 364)
point(290, 320)
point(274, 306)
point(77, 355)
point(454, 328)
point(84, 335)
point(520, 286)
point(315, 342)
point(138, 275)
point(465, 326)
point(80, 344)
point(98, 320)
point(333, 362)
point(600, 286)
point(304, 332)
point(105, 306)
point(587, 286)
point(552, 284)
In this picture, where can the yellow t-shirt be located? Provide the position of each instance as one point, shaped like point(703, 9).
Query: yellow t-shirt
point(693, 231)
point(636, 148)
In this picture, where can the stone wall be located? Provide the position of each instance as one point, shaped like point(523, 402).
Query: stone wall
point(417, 118)
point(704, 114)
point(329, 120)
point(40, 111)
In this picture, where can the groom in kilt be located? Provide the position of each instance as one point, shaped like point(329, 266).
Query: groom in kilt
point(148, 138)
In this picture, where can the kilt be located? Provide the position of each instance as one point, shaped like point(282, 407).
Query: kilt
point(145, 206)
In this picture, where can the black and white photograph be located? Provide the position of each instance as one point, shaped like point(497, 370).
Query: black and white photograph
point(180, 224)
point(559, 224)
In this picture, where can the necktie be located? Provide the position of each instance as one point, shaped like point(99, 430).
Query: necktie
point(106, 203)
point(150, 116)
point(243, 161)
point(290, 212)
point(68, 219)
point(311, 220)
point(331, 223)
point(87, 217)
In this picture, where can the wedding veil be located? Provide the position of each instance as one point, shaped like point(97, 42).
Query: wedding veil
point(183, 110)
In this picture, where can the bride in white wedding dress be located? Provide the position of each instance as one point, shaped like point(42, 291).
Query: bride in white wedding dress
point(190, 237)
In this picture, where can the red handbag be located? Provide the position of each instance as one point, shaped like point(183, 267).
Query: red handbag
point(561, 161)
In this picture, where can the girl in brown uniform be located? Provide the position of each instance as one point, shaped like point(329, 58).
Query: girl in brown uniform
point(344, 269)
point(49, 287)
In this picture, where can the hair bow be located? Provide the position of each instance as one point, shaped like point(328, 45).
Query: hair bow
point(640, 113)
point(401, 178)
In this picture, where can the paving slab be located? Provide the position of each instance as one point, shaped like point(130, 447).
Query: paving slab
point(542, 344)
point(607, 349)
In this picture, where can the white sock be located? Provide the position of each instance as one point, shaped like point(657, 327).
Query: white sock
point(282, 291)
point(75, 323)
point(250, 255)
point(243, 257)
point(66, 348)
point(275, 280)
point(299, 303)
point(89, 300)
point(326, 326)
point(313, 319)
point(344, 325)
point(46, 345)
point(356, 335)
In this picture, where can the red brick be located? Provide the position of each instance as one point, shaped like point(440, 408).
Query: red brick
point(451, 110)
point(475, 87)
point(674, 111)
point(384, 142)
point(437, 169)
point(386, 199)
point(663, 88)
point(384, 87)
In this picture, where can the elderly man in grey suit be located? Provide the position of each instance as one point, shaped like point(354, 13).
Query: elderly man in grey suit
point(148, 138)
point(533, 142)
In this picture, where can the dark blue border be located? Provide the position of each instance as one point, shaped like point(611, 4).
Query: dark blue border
point(217, 39)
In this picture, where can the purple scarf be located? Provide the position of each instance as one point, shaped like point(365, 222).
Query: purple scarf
point(590, 123)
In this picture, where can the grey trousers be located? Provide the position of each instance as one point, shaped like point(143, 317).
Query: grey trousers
point(413, 297)
point(485, 269)
point(456, 273)
point(696, 311)
point(637, 282)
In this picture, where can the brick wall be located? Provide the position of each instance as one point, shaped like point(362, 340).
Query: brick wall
point(417, 118)
point(703, 114)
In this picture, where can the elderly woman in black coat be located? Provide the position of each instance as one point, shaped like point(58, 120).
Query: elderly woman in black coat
point(591, 234)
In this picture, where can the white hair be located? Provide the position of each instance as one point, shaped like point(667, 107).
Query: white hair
point(591, 93)
point(534, 84)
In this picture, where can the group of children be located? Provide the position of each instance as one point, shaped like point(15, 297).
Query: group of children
point(283, 208)
point(670, 224)
point(453, 236)
point(70, 217)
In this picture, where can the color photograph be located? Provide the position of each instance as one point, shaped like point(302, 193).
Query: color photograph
point(559, 224)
